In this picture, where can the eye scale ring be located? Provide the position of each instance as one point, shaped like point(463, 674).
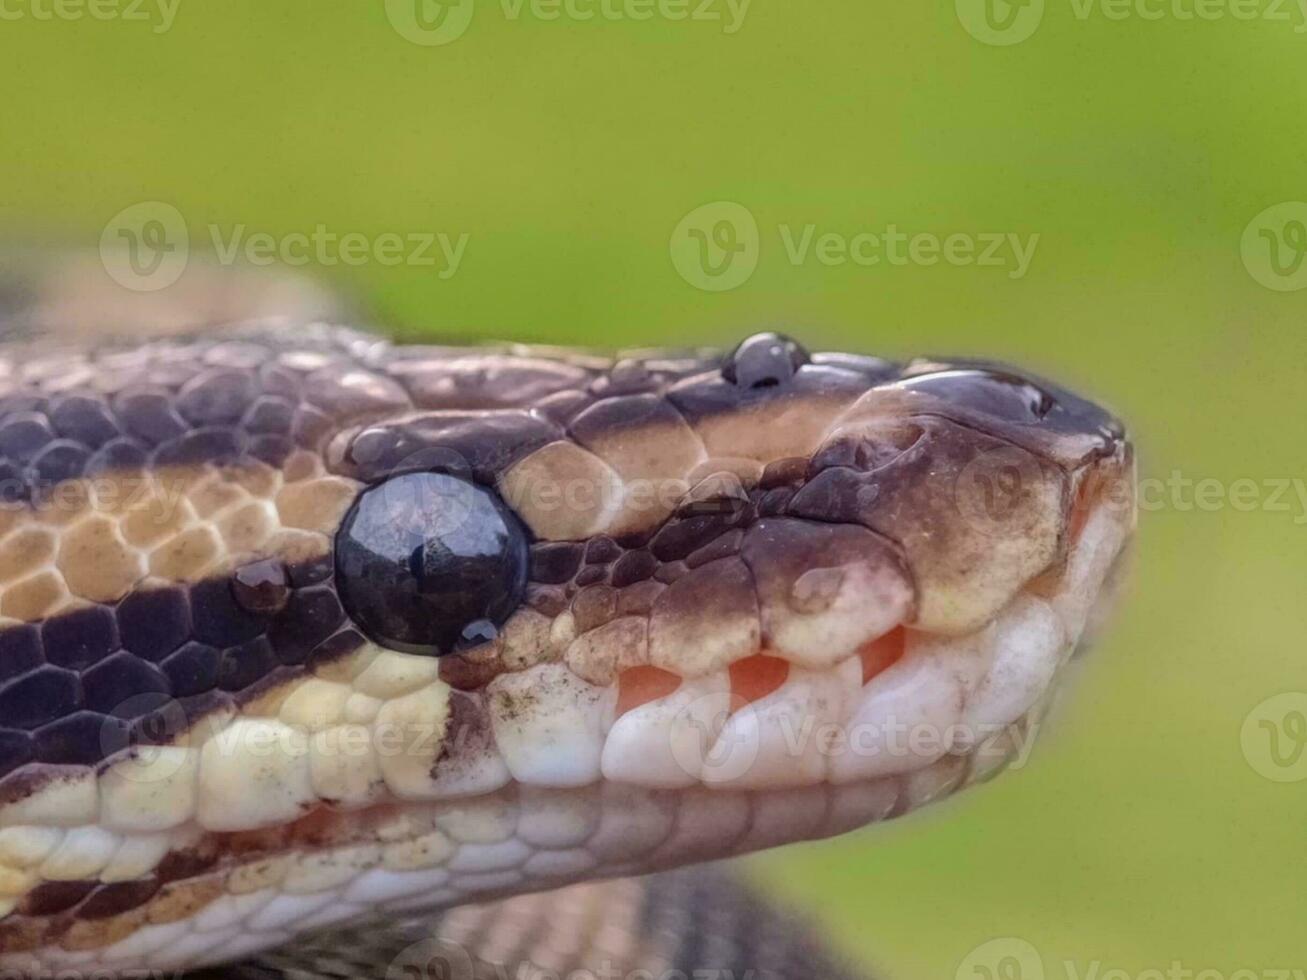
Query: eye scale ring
point(424, 557)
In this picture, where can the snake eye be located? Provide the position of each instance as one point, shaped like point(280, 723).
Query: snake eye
point(429, 563)
point(765, 360)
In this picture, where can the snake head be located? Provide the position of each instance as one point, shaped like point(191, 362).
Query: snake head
point(330, 627)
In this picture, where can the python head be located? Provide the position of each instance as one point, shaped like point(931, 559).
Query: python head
point(300, 626)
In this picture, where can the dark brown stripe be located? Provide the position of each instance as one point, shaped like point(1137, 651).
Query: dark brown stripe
point(83, 685)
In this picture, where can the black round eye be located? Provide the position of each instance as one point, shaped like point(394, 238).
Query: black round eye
point(430, 563)
point(764, 360)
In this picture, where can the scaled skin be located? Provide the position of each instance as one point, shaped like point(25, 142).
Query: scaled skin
point(768, 598)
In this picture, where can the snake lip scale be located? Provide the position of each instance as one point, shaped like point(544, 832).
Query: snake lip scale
point(300, 627)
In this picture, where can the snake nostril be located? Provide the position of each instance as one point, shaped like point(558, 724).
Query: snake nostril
point(765, 360)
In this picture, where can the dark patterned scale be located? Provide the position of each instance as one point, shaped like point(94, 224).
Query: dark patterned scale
point(83, 685)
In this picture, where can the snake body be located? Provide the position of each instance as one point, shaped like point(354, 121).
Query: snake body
point(647, 610)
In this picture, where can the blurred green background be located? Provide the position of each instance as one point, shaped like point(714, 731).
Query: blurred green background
point(568, 150)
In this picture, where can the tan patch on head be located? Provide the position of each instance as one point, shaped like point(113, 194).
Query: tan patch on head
point(563, 492)
point(246, 527)
point(188, 556)
point(155, 516)
point(316, 505)
point(96, 540)
point(26, 550)
point(96, 563)
point(34, 598)
point(774, 429)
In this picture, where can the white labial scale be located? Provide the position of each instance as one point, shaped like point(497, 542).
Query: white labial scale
point(154, 792)
point(70, 799)
point(708, 822)
point(430, 850)
point(474, 766)
point(285, 912)
point(780, 740)
point(548, 723)
point(254, 773)
point(227, 911)
point(632, 822)
point(318, 871)
point(663, 744)
point(906, 716)
point(408, 738)
point(381, 885)
point(1099, 543)
point(478, 821)
point(557, 818)
point(786, 815)
point(81, 855)
point(25, 847)
point(569, 863)
point(146, 941)
point(136, 857)
point(1028, 644)
point(511, 853)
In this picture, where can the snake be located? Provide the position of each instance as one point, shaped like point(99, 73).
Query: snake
point(310, 639)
